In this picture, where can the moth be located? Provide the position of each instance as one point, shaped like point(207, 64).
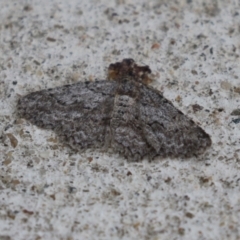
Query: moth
point(123, 113)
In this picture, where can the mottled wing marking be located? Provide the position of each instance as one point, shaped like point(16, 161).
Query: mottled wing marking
point(79, 113)
point(167, 129)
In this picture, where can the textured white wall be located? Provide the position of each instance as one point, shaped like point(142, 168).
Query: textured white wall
point(49, 192)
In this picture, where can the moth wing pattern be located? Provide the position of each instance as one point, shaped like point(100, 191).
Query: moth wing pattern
point(168, 130)
point(123, 113)
point(78, 113)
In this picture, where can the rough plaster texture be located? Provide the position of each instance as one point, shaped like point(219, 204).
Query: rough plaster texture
point(48, 191)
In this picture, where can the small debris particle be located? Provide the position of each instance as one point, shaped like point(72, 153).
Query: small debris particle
point(89, 159)
point(72, 189)
point(155, 46)
point(116, 52)
point(52, 196)
point(115, 192)
point(236, 89)
point(189, 215)
point(172, 41)
point(181, 231)
point(194, 72)
point(7, 162)
point(51, 39)
point(226, 85)
point(196, 108)
point(11, 215)
point(27, 8)
point(168, 180)
point(236, 121)
point(58, 26)
point(178, 99)
point(13, 140)
point(53, 140)
point(235, 112)
point(15, 182)
point(36, 62)
point(28, 212)
point(186, 197)
point(204, 180)
point(175, 67)
point(201, 36)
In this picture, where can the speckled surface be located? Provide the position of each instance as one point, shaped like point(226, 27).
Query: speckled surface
point(48, 191)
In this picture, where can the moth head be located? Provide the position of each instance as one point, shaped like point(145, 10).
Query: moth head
point(128, 69)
